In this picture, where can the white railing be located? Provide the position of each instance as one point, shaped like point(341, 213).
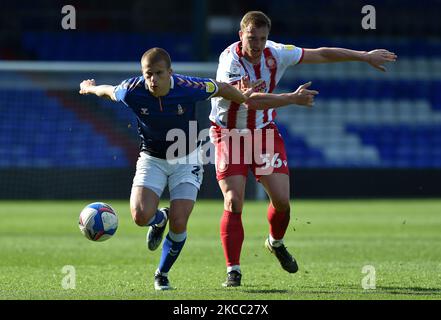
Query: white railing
point(89, 66)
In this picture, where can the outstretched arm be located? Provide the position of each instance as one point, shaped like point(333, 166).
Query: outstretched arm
point(302, 96)
point(229, 92)
point(89, 87)
point(261, 101)
point(376, 58)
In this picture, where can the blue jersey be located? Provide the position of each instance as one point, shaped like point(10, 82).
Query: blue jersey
point(157, 115)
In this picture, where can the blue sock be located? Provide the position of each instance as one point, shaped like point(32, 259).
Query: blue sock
point(156, 219)
point(171, 248)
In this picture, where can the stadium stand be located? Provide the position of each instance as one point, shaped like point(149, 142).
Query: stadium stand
point(37, 130)
point(362, 118)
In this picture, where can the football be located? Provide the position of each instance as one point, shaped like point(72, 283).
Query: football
point(98, 221)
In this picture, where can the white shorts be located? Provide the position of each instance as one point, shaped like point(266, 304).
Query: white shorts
point(155, 173)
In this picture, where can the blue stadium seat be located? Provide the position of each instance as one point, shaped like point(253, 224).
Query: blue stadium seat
point(52, 135)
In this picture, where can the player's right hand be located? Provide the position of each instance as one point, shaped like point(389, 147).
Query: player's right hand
point(85, 85)
point(303, 96)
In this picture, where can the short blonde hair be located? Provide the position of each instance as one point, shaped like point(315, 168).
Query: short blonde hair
point(256, 19)
point(155, 55)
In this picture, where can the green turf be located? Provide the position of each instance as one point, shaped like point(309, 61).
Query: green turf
point(332, 241)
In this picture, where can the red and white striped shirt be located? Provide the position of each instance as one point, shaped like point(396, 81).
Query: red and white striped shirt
point(276, 58)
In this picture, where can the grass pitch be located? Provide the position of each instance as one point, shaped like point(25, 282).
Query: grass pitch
point(332, 241)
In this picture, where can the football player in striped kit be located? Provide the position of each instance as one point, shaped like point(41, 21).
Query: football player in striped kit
point(258, 58)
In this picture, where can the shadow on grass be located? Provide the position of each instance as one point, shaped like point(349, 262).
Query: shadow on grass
point(409, 290)
point(397, 290)
point(267, 291)
point(345, 289)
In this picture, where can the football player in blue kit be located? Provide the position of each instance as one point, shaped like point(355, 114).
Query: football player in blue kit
point(163, 101)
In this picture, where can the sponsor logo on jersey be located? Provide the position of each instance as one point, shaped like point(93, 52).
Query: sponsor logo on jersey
point(233, 75)
point(261, 87)
point(145, 111)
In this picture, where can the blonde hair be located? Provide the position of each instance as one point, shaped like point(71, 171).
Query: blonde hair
point(155, 55)
point(256, 19)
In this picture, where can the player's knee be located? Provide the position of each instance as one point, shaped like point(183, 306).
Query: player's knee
point(139, 216)
point(140, 220)
point(233, 201)
point(281, 205)
point(178, 222)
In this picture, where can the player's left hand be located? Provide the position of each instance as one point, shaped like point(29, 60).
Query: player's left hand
point(378, 57)
point(247, 87)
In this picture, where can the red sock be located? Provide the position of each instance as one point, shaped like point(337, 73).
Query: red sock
point(278, 222)
point(232, 235)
